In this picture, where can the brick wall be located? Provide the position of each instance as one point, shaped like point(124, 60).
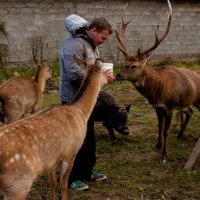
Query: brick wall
point(45, 19)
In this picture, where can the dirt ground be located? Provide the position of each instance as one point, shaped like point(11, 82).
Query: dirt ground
point(132, 165)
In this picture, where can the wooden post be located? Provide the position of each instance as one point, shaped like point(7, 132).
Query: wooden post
point(195, 152)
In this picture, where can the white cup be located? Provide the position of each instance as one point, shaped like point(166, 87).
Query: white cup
point(107, 66)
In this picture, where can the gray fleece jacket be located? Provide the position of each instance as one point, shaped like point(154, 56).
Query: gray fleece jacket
point(71, 74)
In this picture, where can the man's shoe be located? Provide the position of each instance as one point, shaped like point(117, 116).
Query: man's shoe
point(96, 176)
point(79, 185)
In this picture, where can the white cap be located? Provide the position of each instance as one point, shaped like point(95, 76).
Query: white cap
point(74, 22)
point(108, 66)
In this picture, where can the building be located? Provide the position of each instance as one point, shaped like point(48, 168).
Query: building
point(39, 26)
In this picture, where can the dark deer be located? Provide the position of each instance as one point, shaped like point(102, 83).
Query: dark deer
point(22, 95)
point(167, 88)
point(34, 145)
point(109, 111)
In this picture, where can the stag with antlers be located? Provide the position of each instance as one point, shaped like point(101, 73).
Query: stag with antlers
point(167, 88)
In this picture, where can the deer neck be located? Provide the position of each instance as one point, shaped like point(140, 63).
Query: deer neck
point(40, 82)
point(153, 84)
point(88, 93)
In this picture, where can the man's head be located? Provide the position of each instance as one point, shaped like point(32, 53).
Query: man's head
point(99, 30)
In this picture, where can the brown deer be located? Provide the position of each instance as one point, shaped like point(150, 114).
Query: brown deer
point(21, 95)
point(33, 145)
point(167, 88)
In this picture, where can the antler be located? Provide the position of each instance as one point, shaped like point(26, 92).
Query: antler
point(158, 40)
point(120, 36)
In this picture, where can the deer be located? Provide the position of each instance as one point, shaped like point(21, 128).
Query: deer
point(113, 116)
point(166, 88)
point(22, 95)
point(34, 145)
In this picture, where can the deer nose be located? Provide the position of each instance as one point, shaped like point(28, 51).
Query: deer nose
point(118, 77)
point(126, 132)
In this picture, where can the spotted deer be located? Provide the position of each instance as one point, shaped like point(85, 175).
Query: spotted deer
point(166, 88)
point(34, 145)
point(22, 95)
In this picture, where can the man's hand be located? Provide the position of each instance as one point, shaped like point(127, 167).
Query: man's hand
point(109, 75)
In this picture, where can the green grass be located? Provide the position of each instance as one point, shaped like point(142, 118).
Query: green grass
point(133, 165)
point(9, 73)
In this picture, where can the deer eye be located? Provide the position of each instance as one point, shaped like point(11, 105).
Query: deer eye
point(132, 67)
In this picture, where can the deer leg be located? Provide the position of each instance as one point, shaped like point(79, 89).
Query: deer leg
point(15, 197)
point(37, 106)
point(179, 119)
point(12, 111)
point(66, 168)
point(53, 180)
point(160, 115)
point(2, 118)
point(184, 124)
point(12, 115)
point(16, 191)
point(11, 118)
point(168, 118)
point(108, 126)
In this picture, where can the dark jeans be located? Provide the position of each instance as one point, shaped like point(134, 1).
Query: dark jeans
point(86, 158)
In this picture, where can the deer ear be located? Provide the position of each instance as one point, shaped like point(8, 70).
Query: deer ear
point(98, 63)
point(128, 107)
point(79, 61)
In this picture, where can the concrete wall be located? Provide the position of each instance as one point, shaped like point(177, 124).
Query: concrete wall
point(26, 20)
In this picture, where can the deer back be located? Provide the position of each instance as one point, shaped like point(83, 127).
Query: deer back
point(165, 85)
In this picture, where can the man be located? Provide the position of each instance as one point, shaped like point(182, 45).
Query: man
point(83, 41)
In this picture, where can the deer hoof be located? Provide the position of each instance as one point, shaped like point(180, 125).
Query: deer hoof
point(159, 146)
